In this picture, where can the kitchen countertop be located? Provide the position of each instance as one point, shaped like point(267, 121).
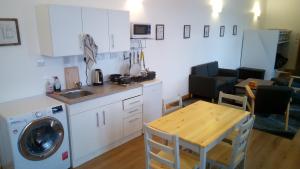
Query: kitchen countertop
point(98, 91)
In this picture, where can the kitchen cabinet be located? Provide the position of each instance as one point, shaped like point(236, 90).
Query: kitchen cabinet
point(152, 100)
point(59, 29)
point(95, 129)
point(119, 31)
point(95, 23)
point(97, 125)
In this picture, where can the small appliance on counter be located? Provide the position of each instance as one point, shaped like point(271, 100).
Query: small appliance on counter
point(125, 80)
point(97, 77)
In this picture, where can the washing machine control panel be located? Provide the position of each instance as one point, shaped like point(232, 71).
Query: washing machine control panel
point(57, 109)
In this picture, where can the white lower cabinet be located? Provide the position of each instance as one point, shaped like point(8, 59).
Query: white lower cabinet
point(99, 125)
point(95, 129)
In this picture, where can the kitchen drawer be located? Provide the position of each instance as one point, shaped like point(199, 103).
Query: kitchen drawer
point(132, 124)
point(132, 111)
point(132, 102)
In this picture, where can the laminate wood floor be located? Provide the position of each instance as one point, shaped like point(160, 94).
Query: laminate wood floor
point(265, 151)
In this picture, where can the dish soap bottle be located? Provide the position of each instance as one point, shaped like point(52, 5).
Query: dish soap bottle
point(56, 84)
point(49, 87)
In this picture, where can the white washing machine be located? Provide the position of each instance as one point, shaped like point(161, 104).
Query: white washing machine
point(34, 134)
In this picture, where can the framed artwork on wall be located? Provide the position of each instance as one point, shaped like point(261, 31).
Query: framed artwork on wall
point(234, 30)
point(222, 31)
point(9, 32)
point(160, 32)
point(187, 31)
point(206, 31)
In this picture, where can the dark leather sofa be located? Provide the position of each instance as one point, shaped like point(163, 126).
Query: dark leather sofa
point(207, 80)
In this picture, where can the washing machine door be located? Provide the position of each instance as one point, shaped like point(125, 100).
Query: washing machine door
point(41, 138)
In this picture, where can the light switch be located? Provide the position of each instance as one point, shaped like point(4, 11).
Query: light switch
point(41, 63)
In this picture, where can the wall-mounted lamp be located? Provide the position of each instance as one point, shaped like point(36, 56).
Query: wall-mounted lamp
point(217, 7)
point(134, 6)
point(256, 10)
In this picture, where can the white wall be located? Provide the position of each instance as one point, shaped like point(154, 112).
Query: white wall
point(171, 59)
point(284, 15)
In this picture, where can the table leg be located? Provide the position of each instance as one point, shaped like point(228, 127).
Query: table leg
point(203, 158)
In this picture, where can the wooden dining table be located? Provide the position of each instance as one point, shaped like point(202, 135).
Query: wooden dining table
point(201, 125)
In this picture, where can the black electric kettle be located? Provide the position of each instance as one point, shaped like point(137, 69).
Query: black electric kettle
point(97, 77)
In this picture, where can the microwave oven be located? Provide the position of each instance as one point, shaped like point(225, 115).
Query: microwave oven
point(141, 31)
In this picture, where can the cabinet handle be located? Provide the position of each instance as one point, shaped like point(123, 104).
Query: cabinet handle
point(104, 119)
point(135, 110)
point(134, 102)
point(97, 119)
point(112, 41)
point(131, 121)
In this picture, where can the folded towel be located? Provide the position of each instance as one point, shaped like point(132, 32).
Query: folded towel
point(90, 50)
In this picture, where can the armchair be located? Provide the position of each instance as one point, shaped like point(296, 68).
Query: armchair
point(270, 100)
point(207, 80)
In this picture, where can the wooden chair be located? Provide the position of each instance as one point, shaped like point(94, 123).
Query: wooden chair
point(170, 105)
point(292, 78)
point(168, 156)
point(230, 156)
point(223, 100)
point(242, 100)
point(270, 100)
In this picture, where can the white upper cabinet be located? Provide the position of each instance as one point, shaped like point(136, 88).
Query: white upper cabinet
point(59, 29)
point(119, 31)
point(95, 23)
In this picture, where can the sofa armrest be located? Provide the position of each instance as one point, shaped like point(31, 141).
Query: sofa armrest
point(228, 72)
point(202, 86)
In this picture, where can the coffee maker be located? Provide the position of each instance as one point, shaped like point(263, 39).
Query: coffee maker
point(97, 77)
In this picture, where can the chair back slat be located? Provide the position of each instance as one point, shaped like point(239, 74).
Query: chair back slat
point(161, 160)
point(241, 141)
point(167, 102)
point(172, 149)
point(160, 146)
point(237, 99)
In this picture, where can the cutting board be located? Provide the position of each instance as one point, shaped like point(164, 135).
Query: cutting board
point(71, 77)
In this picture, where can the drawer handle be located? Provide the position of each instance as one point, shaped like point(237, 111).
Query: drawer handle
point(104, 119)
point(134, 102)
point(131, 121)
point(135, 110)
point(97, 119)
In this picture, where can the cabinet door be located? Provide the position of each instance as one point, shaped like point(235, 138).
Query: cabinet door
point(66, 28)
point(95, 23)
point(152, 106)
point(85, 133)
point(119, 31)
point(111, 123)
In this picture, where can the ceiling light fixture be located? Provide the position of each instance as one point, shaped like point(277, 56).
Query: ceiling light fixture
point(217, 7)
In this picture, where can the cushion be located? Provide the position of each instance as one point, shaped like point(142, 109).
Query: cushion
point(220, 83)
point(272, 99)
point(212, 68)
point(226, 79)
point(200, 70)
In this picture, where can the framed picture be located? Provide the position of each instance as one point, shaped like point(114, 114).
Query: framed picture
point(222, 31)
point(206, 31)
point(160, 32)
point(187, 31)
point(9, 32)
point(234, 31)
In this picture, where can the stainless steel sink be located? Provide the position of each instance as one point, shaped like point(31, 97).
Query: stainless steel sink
point(76, 94)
